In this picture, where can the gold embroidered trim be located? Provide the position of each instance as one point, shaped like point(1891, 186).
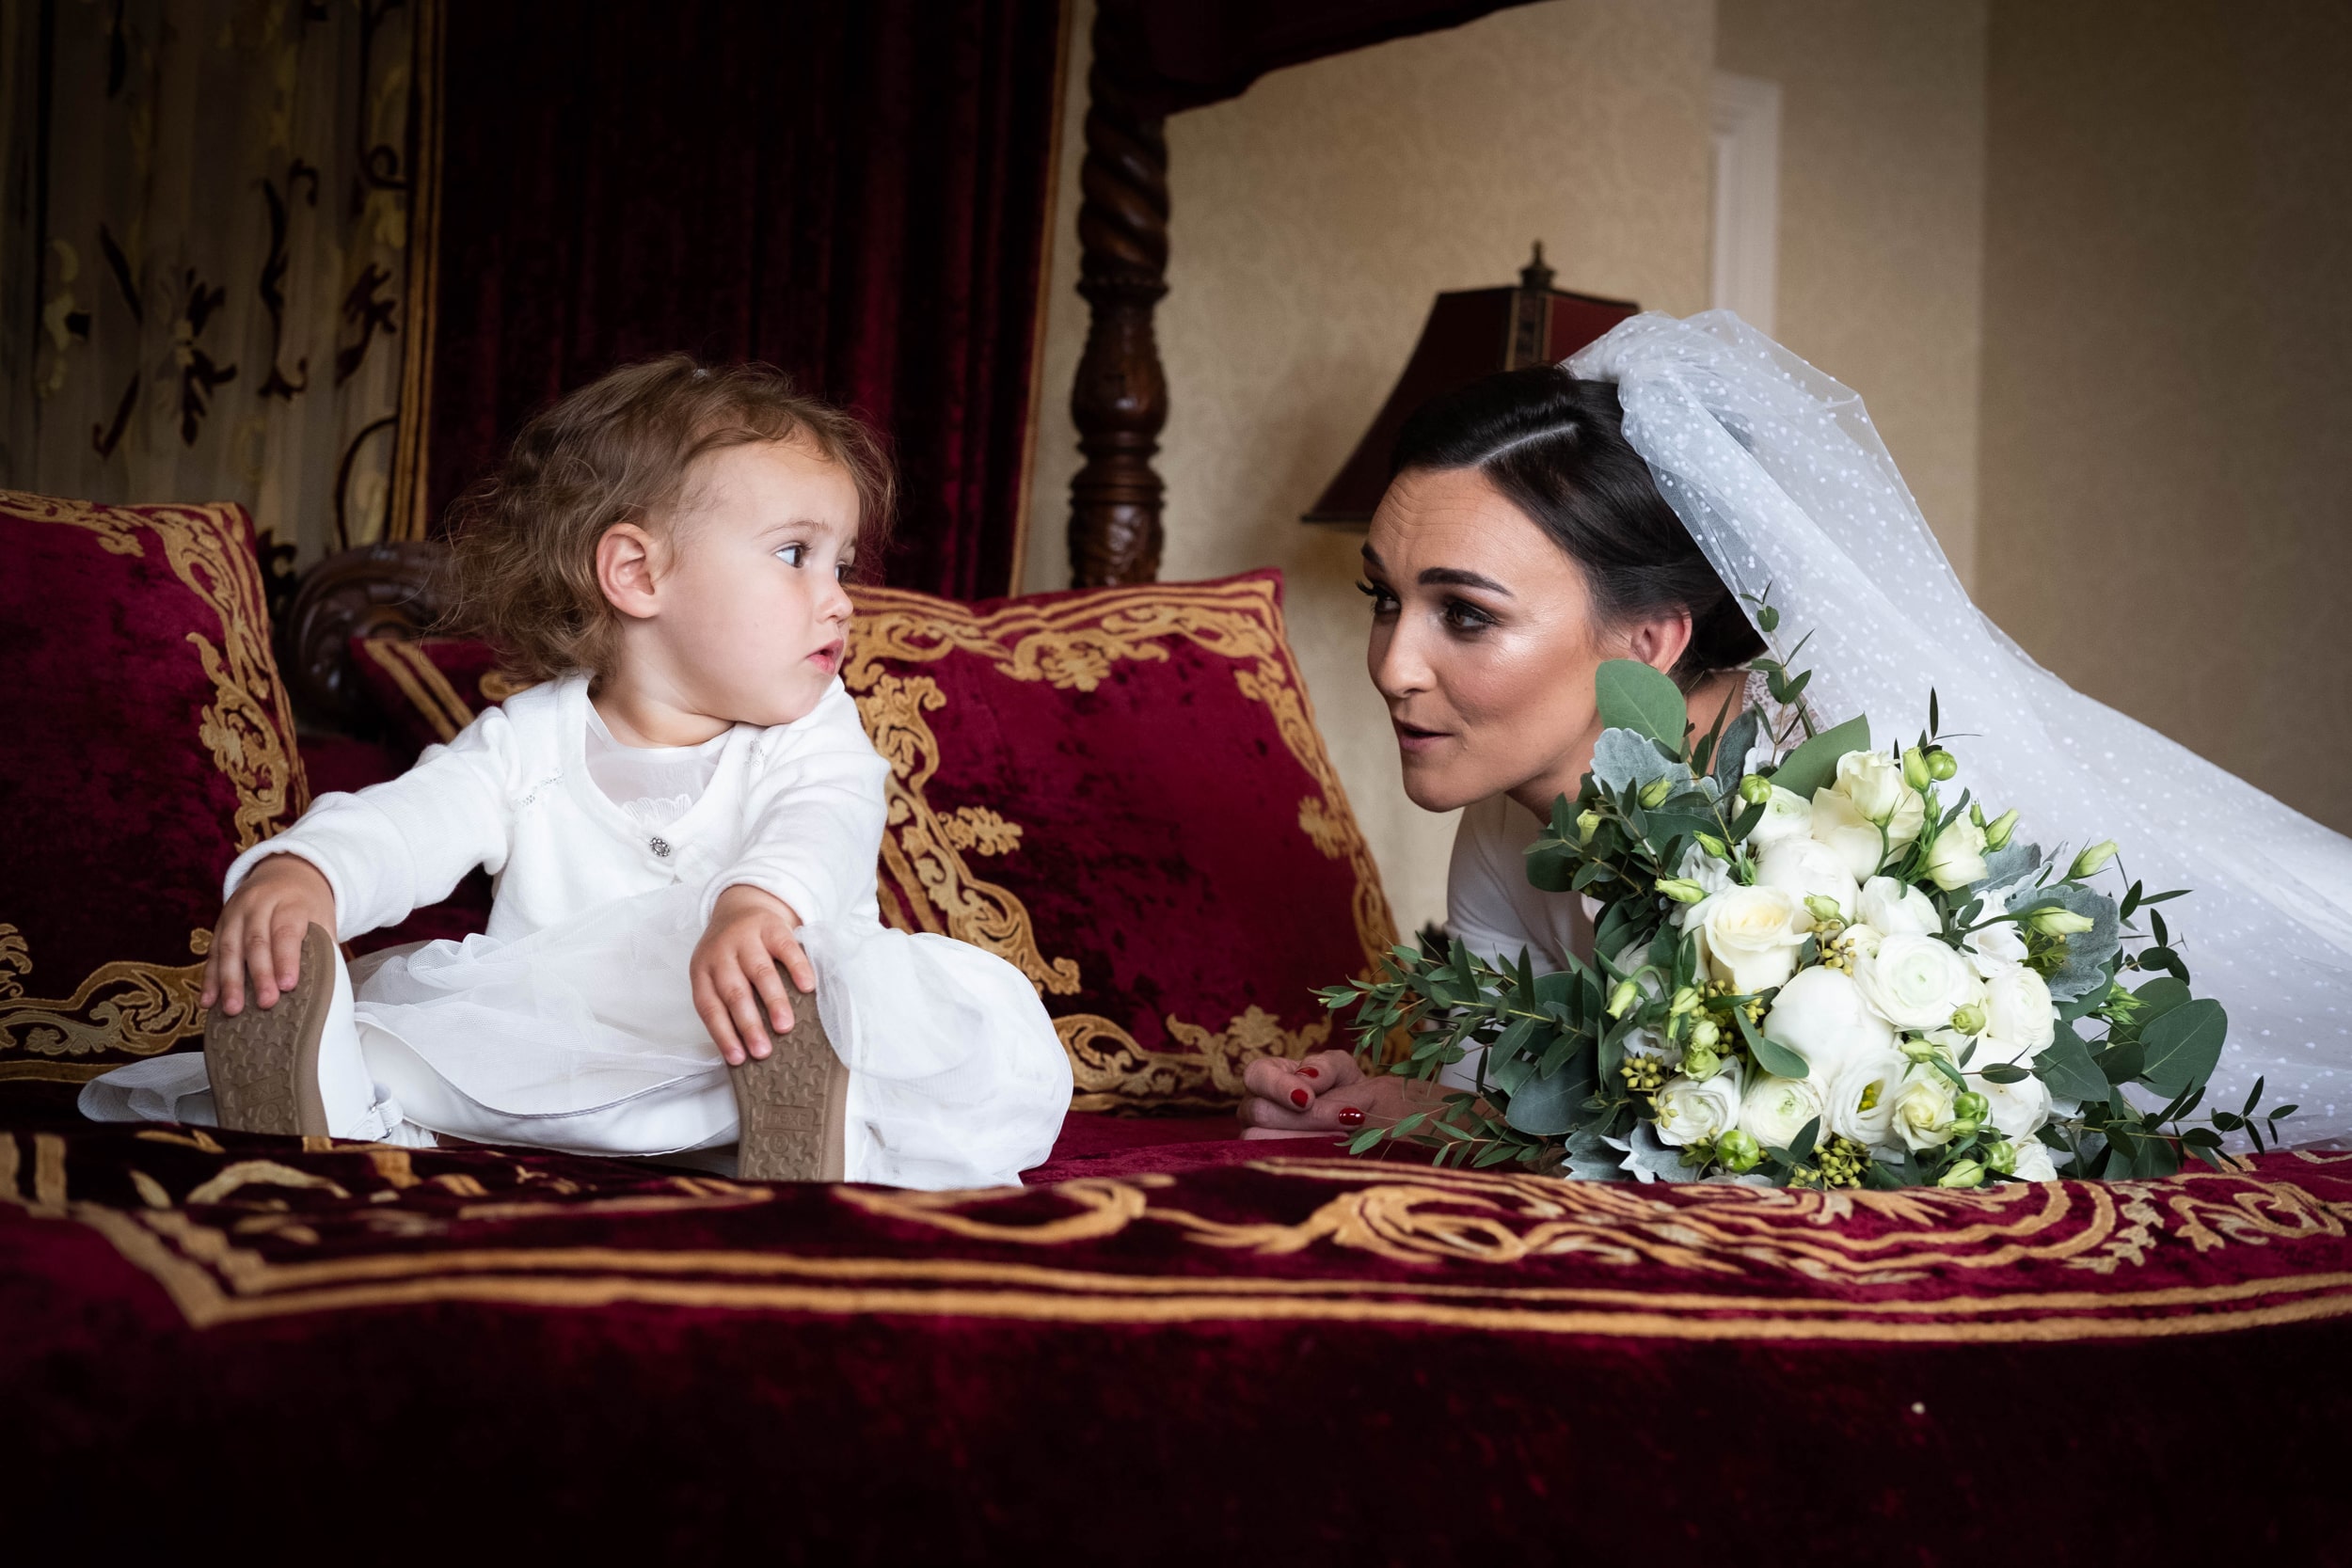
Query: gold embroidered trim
point(145, 1009)
point(1075, 645)
point(421, 682)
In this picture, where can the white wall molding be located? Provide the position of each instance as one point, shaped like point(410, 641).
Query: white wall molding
point(1746, 197)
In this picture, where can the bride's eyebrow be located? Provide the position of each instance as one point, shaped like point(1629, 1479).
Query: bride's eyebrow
point(1453, 576)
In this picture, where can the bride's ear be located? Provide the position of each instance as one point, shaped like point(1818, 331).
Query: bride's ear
point(1658, 638)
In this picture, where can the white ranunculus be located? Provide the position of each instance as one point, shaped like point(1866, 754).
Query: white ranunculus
point(1787, 815)
point(1956, 857)
point(1874, 782)
point(1774, 1110)
point(1864, 938)
point(2033, 1161)
point(1922, 1110)
point(1804, 865)
point(1897, 908)
point(1690, 1112)
point(1859, 1097)
point(1821, 1017)
point(1705, 869)
point(1749, 936)
point(1996, 944)
point(1837, 823)
point(1916, 982)
point(2018, 1011)
point(2019, 1110)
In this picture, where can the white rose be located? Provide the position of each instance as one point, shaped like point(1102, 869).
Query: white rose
point(1956, 857)
point(1997, 944)
point(1916, 982)
point(2018, 1012)
point(2019, 1110)
point(1774, 1110)
point(1874, 782)
point(1691, 1112)
point(1804, 865)
point(2033, 1161)
point(1749, 936)
point(1922, 1110)
point(1787, 815)
point(1897, 908)
point(1821, 1017)
point(1859, 1096)
point(1839, 824)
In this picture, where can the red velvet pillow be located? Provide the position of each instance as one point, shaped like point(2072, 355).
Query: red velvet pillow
point(1122, 790)
point(150, 741)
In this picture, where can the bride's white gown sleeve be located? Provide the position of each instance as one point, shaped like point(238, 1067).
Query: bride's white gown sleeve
point(1781, 479)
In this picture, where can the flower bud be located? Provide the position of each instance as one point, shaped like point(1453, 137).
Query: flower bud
point(1942, 765)
point(1971, 1106)
point(1823, 908)
point(1700, 1064)
point(1705, 1033)
point(1756, 790)
point(1587, 824)
point(1621, 1000)
point(2002, 1157)
point(1681, 890)
point(1686, 1000)
point(1919, 1050)
point(2089, 861)
point(1969, 1019)
point(1916, 772)
point(1655, 792)
point(1738, 1151)
point(1714, 847)
point(1998, 831)
point(1966, 1173)
point(2055, 922)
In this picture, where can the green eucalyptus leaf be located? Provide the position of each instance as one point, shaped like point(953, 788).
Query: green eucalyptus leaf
point(2066, 1066)
point(1813, 764)
point(1633, 696)
point(2184, 1045)
point(1731, 753)
point(1772, 1056)
point(1546, 1107)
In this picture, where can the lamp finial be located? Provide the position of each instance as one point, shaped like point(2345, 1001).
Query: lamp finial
point(1535, 278)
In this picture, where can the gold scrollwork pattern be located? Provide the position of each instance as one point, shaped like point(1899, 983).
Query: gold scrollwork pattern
point(1075, 645)
point(144, 1009)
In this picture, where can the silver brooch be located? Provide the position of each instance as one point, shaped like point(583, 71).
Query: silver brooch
point(660, 845)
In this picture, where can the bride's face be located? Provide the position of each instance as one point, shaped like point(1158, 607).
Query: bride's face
point(1484, 644)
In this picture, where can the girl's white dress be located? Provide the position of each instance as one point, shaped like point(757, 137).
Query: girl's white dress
point(570, 1024)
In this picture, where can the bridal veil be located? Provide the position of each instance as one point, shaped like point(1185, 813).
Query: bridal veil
point(1781, 479)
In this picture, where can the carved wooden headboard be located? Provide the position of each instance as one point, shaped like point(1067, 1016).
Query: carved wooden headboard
point(400, 590)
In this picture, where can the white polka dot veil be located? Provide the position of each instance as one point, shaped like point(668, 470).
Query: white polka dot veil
point(1777, 472)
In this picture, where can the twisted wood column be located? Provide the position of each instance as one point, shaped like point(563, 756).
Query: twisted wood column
point(1120, 400)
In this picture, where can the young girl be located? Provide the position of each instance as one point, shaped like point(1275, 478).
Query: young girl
point(682, 815)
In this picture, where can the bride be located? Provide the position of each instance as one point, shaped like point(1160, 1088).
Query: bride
point(1628, 504)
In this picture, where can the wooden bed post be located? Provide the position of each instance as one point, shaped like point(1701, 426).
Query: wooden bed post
point(1120, 400)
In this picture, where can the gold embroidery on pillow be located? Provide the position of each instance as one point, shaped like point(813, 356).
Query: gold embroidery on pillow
point(980, 830)
point(144, 1009)
point(1076, 645)
point(421, 682)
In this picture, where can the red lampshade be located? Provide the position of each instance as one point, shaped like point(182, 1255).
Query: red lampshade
point(1469, 333)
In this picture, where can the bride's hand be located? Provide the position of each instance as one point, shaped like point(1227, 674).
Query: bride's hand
point(1326, 1093)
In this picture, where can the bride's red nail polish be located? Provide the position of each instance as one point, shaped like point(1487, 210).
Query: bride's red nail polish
point(1299, 1098)
point(1310, 1072)
point(1351, 1116)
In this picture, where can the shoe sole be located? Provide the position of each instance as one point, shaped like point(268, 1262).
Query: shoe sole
point(793, 1103)
point(264, 1062)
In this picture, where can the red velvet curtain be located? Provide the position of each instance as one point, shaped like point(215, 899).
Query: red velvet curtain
point(852, 189)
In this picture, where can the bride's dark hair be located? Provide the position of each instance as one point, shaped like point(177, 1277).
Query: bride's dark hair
point(1555, 447)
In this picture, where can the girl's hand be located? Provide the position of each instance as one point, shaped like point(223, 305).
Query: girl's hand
point(733, 970)
point(1326, 1093)
point(260, 933)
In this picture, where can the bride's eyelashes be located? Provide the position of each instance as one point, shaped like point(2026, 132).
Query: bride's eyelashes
point(1383, 602)
point(1464, 619)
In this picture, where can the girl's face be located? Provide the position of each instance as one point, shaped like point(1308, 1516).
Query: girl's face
point(742, 615)
point(1484, 644)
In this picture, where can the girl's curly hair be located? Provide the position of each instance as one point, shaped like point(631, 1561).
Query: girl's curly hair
point(621, 449)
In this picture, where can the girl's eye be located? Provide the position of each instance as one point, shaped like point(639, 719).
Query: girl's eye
point(793, 555)
point(842, 570)
point(1383, 602)
point(1464, 618)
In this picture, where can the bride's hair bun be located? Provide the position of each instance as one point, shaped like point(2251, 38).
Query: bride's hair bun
point(1555, 447)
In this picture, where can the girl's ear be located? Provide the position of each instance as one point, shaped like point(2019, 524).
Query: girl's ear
point(1658, 640)
point(625, 570)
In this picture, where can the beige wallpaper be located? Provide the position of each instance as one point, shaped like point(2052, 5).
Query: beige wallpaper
point(1313, 218)
point(1882, 218)
point(2167, 372)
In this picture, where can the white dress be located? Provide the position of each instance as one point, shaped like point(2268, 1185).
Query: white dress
point(571, 1024)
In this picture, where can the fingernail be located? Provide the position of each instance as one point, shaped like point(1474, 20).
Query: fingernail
point(1299, 1098)
point(1351, 1116)
point(1310, 1072)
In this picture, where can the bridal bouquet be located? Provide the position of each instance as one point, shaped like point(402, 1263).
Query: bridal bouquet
point(1813, 968)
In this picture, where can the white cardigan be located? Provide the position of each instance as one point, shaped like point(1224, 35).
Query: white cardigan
point(795, 810)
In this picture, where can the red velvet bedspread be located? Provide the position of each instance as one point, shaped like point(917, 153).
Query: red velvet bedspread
point(224, 1342)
